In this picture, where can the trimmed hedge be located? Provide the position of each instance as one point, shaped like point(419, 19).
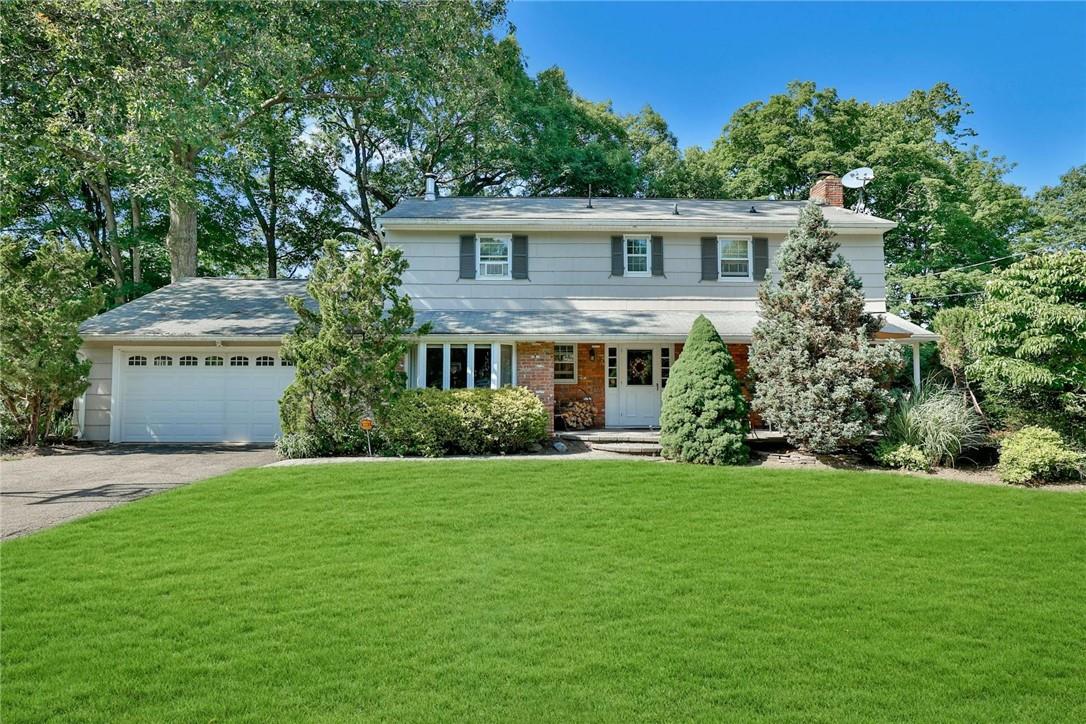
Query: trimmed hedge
point(433, 423)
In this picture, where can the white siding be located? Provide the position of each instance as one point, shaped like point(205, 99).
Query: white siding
point(96, 400)
point(571, 270)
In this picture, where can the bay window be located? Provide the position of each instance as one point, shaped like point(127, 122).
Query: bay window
point(448, 366)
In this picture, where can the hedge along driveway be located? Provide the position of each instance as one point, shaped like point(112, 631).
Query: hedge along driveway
point(544, 591)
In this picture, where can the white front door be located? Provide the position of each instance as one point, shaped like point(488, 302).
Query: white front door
point(638, 390)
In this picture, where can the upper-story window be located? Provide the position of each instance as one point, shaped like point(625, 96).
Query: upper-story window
point(638, 253)
point(494, 253)
point(735, 258)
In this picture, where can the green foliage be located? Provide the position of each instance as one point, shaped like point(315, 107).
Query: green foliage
point(1036, 455)
point(704, 416)
point(901, 455)
point(1063, 209)
point(1031, 342)
point(346, 347)
point(299, 445)
point(820, 378)
point(44, 296)
point(937, 421)
point(433, 423)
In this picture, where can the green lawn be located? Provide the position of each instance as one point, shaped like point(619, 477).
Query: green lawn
point(556, 591)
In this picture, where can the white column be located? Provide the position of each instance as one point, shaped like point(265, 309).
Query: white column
point(446, 359)
point(471, 365)
point(916, 365)
point(495, 365)
point(420, 368)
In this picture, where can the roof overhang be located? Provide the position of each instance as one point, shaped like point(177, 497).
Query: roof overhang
point(694, 226)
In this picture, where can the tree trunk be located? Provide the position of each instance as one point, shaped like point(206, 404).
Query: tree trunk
point(181, 235)
point(104, 192)
point(134, 250)
point(273, 213)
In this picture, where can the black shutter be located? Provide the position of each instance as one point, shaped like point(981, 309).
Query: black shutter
point(710, 265)
point(761, 258)
point(618, 261)
point(467, 256)
point(657, 256)
point(520, 257)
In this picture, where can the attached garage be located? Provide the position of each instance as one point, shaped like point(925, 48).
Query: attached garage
point(193, 362)
point(199, 395)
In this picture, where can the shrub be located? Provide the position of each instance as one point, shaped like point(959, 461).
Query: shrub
point(819, 375)
point(901, 455)
point(348, 345)
point(938, 422)
point(1031, 342)
point(294, 445)
point(432, 423)
point(704, 417)
point(1035, 455)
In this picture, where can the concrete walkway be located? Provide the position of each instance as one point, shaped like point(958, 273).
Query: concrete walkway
point(41, 491)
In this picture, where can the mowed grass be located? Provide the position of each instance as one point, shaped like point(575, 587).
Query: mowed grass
point(557, 591)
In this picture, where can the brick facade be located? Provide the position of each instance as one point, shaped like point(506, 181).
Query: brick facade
point(535, 370)
point(591, 381)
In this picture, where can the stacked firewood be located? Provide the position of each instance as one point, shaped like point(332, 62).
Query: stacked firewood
point(578, 414)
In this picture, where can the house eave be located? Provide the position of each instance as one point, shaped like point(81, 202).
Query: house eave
point(612, 224)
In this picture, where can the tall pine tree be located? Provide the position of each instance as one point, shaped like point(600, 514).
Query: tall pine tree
point(820, 378)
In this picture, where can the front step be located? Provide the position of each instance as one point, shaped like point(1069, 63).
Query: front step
point(646, 449)
point(596, 437)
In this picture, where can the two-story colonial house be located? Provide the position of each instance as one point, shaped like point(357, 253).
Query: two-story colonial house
point(570, 297)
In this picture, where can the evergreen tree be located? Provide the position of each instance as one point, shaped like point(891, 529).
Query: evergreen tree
point(704, 418)
point(820, 378)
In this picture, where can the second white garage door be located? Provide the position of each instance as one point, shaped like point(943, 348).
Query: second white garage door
point(201, 395)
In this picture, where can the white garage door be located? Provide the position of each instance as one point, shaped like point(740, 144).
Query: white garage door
point(209, 395)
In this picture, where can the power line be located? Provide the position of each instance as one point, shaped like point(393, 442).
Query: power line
point(1060, 246)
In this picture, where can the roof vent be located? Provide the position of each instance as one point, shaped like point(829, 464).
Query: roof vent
point(752, 210)
point(431, 187)
point(675, 210)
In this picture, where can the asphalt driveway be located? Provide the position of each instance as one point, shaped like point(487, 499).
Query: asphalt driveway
point(46, 490)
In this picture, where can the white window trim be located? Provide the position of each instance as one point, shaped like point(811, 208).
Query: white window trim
point(648, 255)
point(446, 362)
point(508, 239)
point(750, 258)
point(576, 374)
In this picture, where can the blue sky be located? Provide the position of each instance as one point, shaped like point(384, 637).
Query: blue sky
point(1022, 66)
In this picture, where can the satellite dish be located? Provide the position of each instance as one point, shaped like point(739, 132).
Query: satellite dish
point(857, 178)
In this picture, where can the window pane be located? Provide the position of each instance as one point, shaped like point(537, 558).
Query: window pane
point(213, 361)
point(506, 377)
point(458, 366)
point(435, 361)
point(482, 365)
point(637, 246)
point(493, 257)
point(639, 367)
point(733, 249)
point(565, 363)
point(163, 361)
point(734, 268)
point(612, 367)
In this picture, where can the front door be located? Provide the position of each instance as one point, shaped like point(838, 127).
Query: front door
point(638, 386)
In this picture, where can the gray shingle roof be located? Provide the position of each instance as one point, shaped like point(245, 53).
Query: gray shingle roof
point(534, 208)
point(250, 308)
point(204, 307)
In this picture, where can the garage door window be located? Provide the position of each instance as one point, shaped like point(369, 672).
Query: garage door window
point(137, 360)
point(286, 362)
point(187, 360)
point(163, 361)
point(265, 361)
point(212, 361)
point(239, 361)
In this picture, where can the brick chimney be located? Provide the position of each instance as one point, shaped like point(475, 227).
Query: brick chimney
point(828, 190)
